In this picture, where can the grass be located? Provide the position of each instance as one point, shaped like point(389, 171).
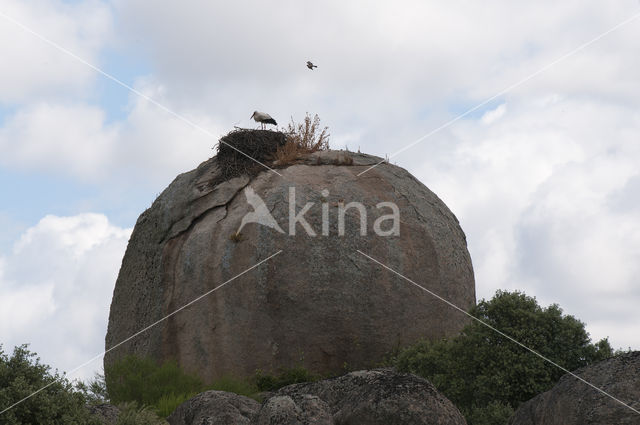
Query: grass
point(296, 375)
point(142, 380)
point(132, 414)
point(161, 388)
point(232, 385)
point(170, 402)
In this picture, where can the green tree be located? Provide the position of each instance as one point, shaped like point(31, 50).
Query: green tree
point(485, 374)
point(21, 375)
point(94, 390)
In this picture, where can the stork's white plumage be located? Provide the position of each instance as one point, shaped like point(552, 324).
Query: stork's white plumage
point(263, 118)
point(310, 65)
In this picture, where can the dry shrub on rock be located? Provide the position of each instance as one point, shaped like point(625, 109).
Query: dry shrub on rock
point(302, 138)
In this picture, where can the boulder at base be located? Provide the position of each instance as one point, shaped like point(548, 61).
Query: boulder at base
point(215, 408)
point(367, 397)
point(319, 303)
point(371, 397)
point(572, 402)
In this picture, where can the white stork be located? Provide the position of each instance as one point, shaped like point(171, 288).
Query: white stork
point(310, 65)
point(263, 118)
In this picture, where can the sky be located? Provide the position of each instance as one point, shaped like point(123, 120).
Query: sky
point(543, 173)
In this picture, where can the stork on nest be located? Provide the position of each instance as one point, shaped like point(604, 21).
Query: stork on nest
point(263, 118)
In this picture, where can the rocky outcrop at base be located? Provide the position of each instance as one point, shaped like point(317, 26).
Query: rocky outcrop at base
point(371, 397)
point(572, 402)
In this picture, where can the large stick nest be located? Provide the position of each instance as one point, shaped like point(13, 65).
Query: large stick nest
point(260, 145)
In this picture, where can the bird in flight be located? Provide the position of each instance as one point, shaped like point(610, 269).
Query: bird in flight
point(310, 65)
point(263, 118)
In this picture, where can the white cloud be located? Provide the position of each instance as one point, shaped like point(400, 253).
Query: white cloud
point(32, 69)
point(156, 146)
point(384, 67)
point(388, 73)
point(493, 115)
point(534, 193)
point(56, 287)
point(150, 145)
point(24, 308)
point(62, 139)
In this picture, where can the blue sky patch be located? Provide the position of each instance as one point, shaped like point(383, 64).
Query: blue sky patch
point(111, 96)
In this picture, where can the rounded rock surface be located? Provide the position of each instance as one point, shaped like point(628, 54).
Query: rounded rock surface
point(319, 303)
point(373, 397)
point(283, 410)
point(215, 408)
point(572, 402)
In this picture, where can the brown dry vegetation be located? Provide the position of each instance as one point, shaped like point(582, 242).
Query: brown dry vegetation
point(248, 152)
point(302, 138)
point(235, 237)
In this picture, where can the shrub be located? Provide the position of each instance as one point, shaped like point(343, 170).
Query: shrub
point(21, 375)
point(94, 390)
point(296, 375)
point(496, 412)
point(485, 375)
point(232, 385)
point(302, 138)
point(287, 154)
point(142, 380)
point(235, 237)
point(132, 414)
point(307, 135)
point(162, 387)
point(168, 403)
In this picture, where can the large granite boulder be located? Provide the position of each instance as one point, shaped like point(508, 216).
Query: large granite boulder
point(368, 397)
point(319, 303)
point(572, 402)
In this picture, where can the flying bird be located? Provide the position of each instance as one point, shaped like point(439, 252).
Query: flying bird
point(310, 65)
point(263, 118)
